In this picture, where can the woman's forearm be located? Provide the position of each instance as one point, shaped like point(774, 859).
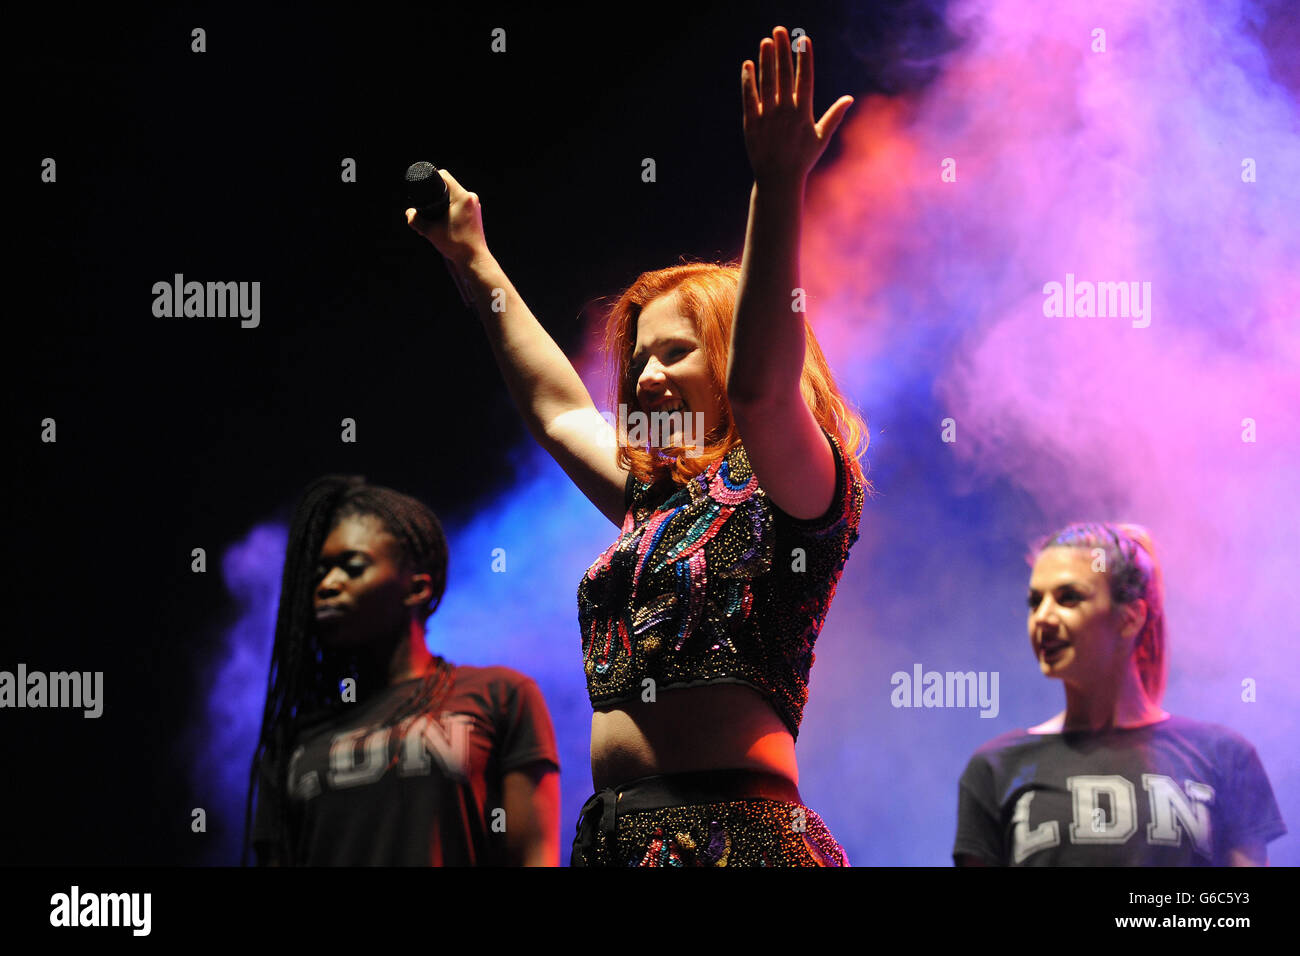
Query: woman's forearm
point(767, 338)
point(540, 377)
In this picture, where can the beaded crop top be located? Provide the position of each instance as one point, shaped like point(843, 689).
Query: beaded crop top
point(705, 585)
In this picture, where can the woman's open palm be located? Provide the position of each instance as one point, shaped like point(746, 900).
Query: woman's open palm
point(780, 135)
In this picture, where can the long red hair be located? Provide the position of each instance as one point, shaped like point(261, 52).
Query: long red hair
point(706, 294)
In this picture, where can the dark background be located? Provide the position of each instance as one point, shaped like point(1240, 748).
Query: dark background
point(225, 166)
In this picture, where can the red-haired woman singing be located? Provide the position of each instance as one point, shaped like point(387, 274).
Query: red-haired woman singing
point(733, 477)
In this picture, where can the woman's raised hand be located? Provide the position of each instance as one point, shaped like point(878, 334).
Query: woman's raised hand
point(459, 234)
point(781, 138)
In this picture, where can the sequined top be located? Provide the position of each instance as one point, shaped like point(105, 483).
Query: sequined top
point(710, 582)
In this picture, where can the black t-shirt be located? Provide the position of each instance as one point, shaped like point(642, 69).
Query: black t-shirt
point(424, 792)
point(1174, 793)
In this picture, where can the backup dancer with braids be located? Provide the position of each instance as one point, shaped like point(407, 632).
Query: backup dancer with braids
point(698, 622)
point(1112, 780)
point(373, 751)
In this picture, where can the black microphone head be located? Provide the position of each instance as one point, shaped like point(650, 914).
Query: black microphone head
point(419, 172)
point(426, 191)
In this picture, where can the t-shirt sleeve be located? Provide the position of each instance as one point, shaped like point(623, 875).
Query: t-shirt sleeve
point(1251, 811)
point(527, 736)
point(264, 812)
point(845, 506)
point(978, 830)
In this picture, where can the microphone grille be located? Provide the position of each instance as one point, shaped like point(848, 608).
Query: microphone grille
point(419, 172)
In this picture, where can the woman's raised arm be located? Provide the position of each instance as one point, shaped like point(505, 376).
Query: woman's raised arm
point(782, 438)
point(550, 396)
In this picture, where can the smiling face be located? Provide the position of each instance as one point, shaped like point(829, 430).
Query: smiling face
point(360, 591)
point(670, 364)
point(1077, 634)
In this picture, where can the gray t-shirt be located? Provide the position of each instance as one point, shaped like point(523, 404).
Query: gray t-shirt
point(1174, 793)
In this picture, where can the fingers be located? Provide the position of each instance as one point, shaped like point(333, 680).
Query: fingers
point(832, 118)
point(748, 92)
point(784, 67)
point(767, 73)
point(456, 193)
point(418, 225)
point(454, 188)
point(778, 83)
point(803, 81)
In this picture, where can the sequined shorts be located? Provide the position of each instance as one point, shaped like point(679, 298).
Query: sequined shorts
point(710, 818)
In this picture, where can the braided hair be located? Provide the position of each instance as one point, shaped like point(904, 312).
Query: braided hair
point(302, 684)
point(1132, 573)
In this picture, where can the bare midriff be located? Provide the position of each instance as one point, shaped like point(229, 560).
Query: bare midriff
point(712, 727)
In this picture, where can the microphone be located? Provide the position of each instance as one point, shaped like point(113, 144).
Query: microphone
point(426, 191)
